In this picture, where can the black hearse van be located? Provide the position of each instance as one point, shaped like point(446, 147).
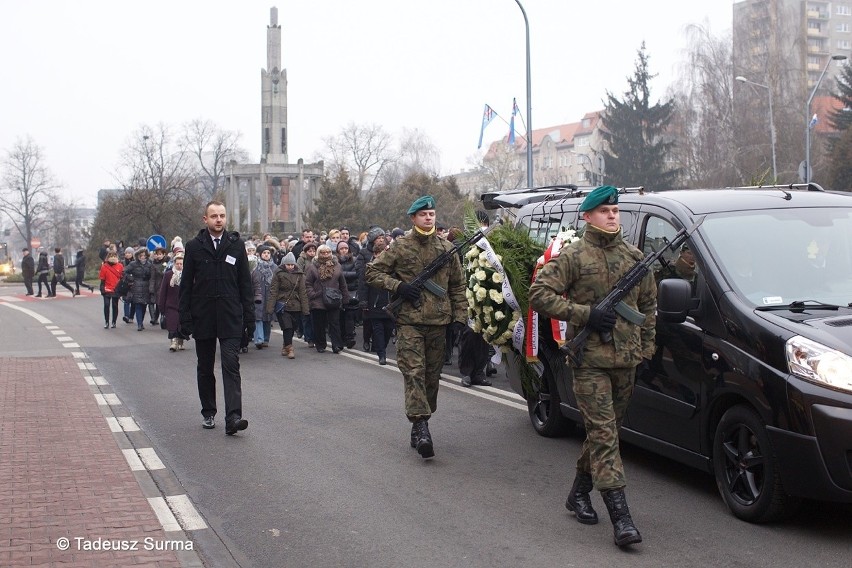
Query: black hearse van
point(752, 378)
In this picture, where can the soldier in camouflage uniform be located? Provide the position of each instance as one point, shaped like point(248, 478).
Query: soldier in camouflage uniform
point(424, 316)
point(585, 271)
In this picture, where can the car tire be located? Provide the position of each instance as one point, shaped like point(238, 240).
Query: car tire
point(746, 469)
point(544, 406)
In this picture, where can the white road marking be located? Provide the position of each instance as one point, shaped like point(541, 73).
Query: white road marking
point(186, 513)
point(150, 459)
point(133, 460)
point(164, 514)
point(38, 317)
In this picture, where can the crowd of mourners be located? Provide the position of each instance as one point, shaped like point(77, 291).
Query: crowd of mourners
point(293, 278)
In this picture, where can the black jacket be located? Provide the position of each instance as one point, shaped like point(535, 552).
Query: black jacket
point(28, 266)
point(216, 295)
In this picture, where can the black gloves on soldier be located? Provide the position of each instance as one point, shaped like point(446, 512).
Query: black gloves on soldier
point(600, 320)
point(408, 292)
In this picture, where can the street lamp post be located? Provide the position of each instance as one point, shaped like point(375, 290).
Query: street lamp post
point(771, 124)
point(529, 101)
point(808, 117)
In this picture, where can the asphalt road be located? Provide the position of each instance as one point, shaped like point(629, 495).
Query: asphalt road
point(324, 475)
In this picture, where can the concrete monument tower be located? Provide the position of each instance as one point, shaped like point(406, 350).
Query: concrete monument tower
point(274, 194)
point(274, 97)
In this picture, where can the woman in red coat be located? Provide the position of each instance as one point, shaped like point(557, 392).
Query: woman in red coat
point(168, 298)
point(111, 272)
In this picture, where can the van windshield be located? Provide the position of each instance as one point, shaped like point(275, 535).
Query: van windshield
point(778, 256)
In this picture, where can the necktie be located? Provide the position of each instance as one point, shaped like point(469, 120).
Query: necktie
point(215, 244)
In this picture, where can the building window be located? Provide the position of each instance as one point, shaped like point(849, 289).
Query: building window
point(843, 44)
point(843, 28)
point(843, 10)
point(548, 162)
point(582, 141)
point(587, 122)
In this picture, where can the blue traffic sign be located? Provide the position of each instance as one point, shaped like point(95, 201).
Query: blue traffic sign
point(156, 241)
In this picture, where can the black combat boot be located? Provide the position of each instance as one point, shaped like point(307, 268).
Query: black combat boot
point(414, 434)
point(580, 501)
point(424, 440)
point(624, 531)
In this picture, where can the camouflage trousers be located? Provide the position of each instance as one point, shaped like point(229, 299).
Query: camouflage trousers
point(420, 358)
point(602, 397)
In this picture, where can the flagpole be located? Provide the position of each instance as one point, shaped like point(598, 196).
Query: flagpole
point(529, 101)
point(808, 118)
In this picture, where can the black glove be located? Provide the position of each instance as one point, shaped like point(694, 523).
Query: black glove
point(185, 330)
point(458, 327)
point(250, 328)
point(599, 320)
point(408, 292)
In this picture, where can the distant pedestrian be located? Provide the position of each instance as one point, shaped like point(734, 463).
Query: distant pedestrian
point(288, 300)
point(80, 272)
point(373, 300)
point(323, 274)
point(28, 270)
point(110, 274)
point(139, 273)
point(217, 303)
point(168, 301)
point(158, 268)
point(43, 269)
point(59, 273)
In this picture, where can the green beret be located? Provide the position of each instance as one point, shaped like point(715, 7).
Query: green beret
point(425, 202)
point(605, 194)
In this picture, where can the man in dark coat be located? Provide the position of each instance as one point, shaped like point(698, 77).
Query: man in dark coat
point(28, 270)
point(217, 302)
point(59, 273)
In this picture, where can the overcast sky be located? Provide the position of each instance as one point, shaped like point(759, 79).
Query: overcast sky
point(80, 76)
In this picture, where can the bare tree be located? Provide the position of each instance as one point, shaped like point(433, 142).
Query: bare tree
point(704, 119)
point(213, 148)
point(158, 177)
point(500, 167)
point(28, 188)
point(362, 150)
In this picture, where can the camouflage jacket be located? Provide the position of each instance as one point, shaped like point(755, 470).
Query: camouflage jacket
point(587, 270)
point(403, 261)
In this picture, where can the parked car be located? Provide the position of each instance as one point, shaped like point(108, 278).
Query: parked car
point(752, 377)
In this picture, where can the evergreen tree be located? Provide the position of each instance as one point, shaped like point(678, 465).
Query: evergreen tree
point(840, 166)
point(636, 145)
point(338, 204)
point(841, 119)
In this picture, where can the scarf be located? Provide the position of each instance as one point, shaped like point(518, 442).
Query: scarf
point(326, 269)
point(266, 268)
point(175, 281)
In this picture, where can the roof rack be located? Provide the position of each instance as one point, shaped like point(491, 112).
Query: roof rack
point(784, 187)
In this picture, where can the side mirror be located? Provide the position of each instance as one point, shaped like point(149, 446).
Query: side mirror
point(674, 300)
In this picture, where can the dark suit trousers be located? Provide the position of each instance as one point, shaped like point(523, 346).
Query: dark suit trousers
point(206, 351)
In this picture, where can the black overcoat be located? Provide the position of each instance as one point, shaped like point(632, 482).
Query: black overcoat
point(216, 295)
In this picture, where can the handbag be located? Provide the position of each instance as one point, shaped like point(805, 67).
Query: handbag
point(122, 288)
point(280, 307)
point(163, 321)
point(332, 298)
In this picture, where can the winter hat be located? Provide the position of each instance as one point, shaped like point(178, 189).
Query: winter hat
point(139, 251)
point(128, 250)
point(374, 233)
point(397, 233)
point(262, 248)
point(178, 255)
point(177, 242)
point(309, 246)
point(288, 259)
point(250, 246)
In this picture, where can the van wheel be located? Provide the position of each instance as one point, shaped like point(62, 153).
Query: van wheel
point(746, 469)
point(545, 414)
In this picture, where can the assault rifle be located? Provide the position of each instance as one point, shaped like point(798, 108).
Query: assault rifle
point(424, 279)
point(612, 302)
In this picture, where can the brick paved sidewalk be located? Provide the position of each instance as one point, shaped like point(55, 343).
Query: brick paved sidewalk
point(65, 476)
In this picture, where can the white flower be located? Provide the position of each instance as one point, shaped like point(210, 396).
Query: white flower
point(487, 309)
point(491, 330)
point(483, 263)
point(468, 294)
point(477, 327)
point(480, 275)
point(472, 253)
point(481, 294)
point(498, 315)
point(497, 278)
point(495, 296)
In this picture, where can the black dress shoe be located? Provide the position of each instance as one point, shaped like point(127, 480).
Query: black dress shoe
point(480, 381)
point(382, 360)
point(336, 350)
point(320, 349)
point(125, 319)
point(234, 426)
point(208, 423)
